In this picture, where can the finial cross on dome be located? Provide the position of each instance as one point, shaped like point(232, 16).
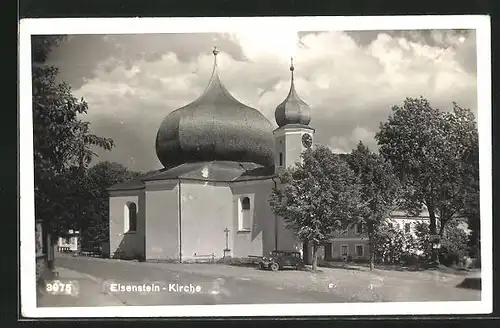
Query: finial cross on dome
point(215, 51)
point(291, 64)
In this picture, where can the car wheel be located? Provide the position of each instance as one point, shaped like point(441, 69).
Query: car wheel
point(261, 266)
point(274, 266)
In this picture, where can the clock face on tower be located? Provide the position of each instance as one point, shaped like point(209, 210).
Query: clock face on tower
point(306, 140)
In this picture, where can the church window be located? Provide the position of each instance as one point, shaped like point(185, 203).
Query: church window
point(244, 215)
point(130, 217)
point(281, 159)
point(245, 203)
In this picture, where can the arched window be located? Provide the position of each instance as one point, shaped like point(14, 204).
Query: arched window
point(244, 217)
point(245, 203)
point(131, 217)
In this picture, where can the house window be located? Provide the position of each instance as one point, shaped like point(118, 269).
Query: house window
point(130, 217)
point(391, 225)
point(281, 159)
point(343, 250)
point(245, 214)
point(359, 228)
point(359, 250)
point(407, 227)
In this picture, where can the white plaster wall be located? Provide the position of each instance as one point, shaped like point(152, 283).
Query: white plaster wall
point(293, 148)
point(128, 242)
point(162, 220)
point(399, 222)
point(279, 146)
point(206, 212)
point(265, 226)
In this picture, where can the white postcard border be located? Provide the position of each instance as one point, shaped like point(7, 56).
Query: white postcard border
point(68, 26)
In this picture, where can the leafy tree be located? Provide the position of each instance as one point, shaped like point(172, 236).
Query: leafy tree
point(430, 151)
point(471, 211)
point(388, 244)
point(62, 140)
point(423, 239)
point(460, 191)
point(41, 47)
point(95, 208)
point(379, 190)
point(454, 244)
point(316, 197)
point(392, 245)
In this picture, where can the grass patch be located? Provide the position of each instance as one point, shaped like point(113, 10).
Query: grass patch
point(395, 267)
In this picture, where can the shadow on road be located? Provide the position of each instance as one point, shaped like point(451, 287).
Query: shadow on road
point(471, 283)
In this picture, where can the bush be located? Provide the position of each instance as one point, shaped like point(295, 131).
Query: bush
point(410, 259)
point(363, 261)
point(455, 240)
point(424, 246)
point(390, 244)
point(449, 258)
point(454, 243)
point(393, 246)
point(239, 261)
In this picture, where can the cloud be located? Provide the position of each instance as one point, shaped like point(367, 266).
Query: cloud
point(344, 144)
point(350, 79)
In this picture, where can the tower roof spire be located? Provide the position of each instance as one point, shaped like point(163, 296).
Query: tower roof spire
point(292, 110)
point(215, 51)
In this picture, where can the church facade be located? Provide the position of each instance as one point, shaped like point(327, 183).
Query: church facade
point(221, 159)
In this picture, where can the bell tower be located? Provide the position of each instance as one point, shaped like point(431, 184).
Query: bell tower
point(293, 135)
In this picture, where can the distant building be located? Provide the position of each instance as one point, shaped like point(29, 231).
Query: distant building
point(211, 199)
point(353, 244)
point(69, 243)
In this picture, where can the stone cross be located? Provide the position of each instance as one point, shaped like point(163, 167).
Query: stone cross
point(227, 235)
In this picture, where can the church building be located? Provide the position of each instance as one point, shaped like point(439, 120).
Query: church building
point(211, 198)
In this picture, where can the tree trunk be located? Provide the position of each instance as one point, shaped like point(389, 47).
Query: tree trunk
point(315, 257)
point(433, 230)
point(443, 219)
point(305, 252)
point(370, 242)
point(441, 228)
point(50, 252)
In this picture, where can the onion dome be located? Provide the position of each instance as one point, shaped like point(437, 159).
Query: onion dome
point(215, 127)
point(292, 110)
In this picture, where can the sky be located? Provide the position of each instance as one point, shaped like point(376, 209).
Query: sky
point(350, 79)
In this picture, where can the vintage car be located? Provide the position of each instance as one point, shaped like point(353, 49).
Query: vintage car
point(277, 260)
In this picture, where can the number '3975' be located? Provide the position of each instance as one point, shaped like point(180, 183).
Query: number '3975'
point(59, 287)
